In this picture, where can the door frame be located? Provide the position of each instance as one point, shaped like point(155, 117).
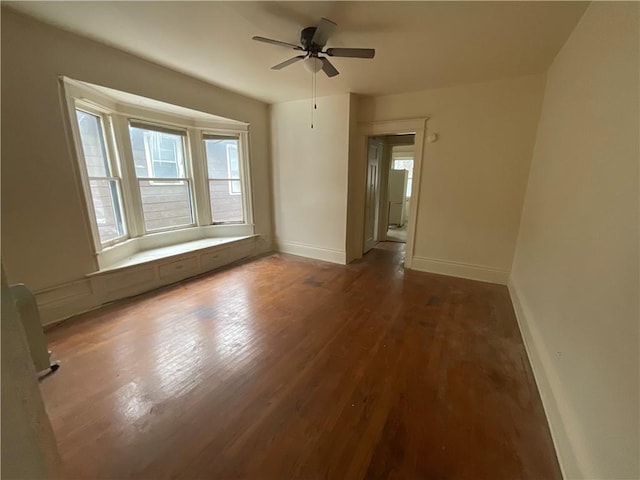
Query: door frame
point(377, 207)
point(418, 127)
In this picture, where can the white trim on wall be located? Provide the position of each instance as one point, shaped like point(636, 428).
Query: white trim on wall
point(311, 251)
point(418, 127)
point(458, 269)
point(547, 382)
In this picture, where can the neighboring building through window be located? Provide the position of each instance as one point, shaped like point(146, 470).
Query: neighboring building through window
point(223, 171)
point(165, 191)
point(104, 182)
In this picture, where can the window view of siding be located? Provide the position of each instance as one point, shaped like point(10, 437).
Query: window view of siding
point(225, 187)
point(105, 187)
point(159, 160)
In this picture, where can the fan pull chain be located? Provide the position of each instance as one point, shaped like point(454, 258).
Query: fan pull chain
point(314, 105)
point(312, 96)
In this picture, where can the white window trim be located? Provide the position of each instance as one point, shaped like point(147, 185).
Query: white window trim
point(107, 129)
point(116, 116)
point(245, 172)
point(187, 177)
point(231, 179)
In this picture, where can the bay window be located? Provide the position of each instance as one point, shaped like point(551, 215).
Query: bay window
point(154, 168)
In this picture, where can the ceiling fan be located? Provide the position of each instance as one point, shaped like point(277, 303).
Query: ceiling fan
point(313, 40)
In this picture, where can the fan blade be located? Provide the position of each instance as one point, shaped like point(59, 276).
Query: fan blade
point(286, 63)
point(351, 52)
point(276, 42)
point(323, 31)
point(328, 68)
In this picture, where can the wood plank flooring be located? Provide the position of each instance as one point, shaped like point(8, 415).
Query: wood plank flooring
point(285, 368)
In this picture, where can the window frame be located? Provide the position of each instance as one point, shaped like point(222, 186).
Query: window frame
point(106, 124)
point(116, 116)
point(188, 170)
point(243, 165)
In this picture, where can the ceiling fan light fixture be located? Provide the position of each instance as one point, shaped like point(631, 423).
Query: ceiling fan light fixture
point(313, 64)
point(313, 40)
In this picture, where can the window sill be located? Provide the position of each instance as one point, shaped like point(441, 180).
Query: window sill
point(157, 246)
point(162, 253)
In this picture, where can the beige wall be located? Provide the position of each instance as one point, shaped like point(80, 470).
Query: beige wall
point(45, 236)
point(355, 177)
point(575, 276)
point(310, 176)
point(474, 177)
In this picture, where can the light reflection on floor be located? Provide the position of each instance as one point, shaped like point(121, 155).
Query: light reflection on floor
point(131, 402)
point(221, 336)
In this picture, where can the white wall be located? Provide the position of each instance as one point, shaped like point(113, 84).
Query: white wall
point(45, 236)
point(474, 177)
point(575, 276)
point(310, 176)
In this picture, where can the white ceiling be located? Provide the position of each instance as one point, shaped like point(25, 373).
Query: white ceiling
point(419, 45)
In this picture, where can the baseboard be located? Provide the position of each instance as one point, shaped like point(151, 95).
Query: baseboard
point(457, 269)
point(311, 251)
point(541, 364)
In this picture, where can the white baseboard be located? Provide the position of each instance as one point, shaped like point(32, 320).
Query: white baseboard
point(463, 270)
point(541, 364)
point(311, 251)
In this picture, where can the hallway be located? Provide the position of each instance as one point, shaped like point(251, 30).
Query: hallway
point(397, 234)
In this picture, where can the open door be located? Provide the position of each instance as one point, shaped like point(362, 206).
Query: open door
point(372, 201)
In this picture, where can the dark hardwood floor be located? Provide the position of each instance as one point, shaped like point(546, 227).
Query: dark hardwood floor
point(286, 368)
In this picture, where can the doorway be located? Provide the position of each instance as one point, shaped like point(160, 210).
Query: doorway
point(372, 202)
point(389, 179)
point(368, 208)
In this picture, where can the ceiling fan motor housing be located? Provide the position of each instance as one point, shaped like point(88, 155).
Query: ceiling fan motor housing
point(306, 37)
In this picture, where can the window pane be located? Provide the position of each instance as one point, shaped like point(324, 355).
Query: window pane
point(222, 158)
point(157, 154)
point(226, 201)
point(93, 148)
point(106, 204)
point(165, 204)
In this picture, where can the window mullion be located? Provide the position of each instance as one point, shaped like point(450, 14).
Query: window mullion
point(130, 190)
point(245, 177)
point(199, 175)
